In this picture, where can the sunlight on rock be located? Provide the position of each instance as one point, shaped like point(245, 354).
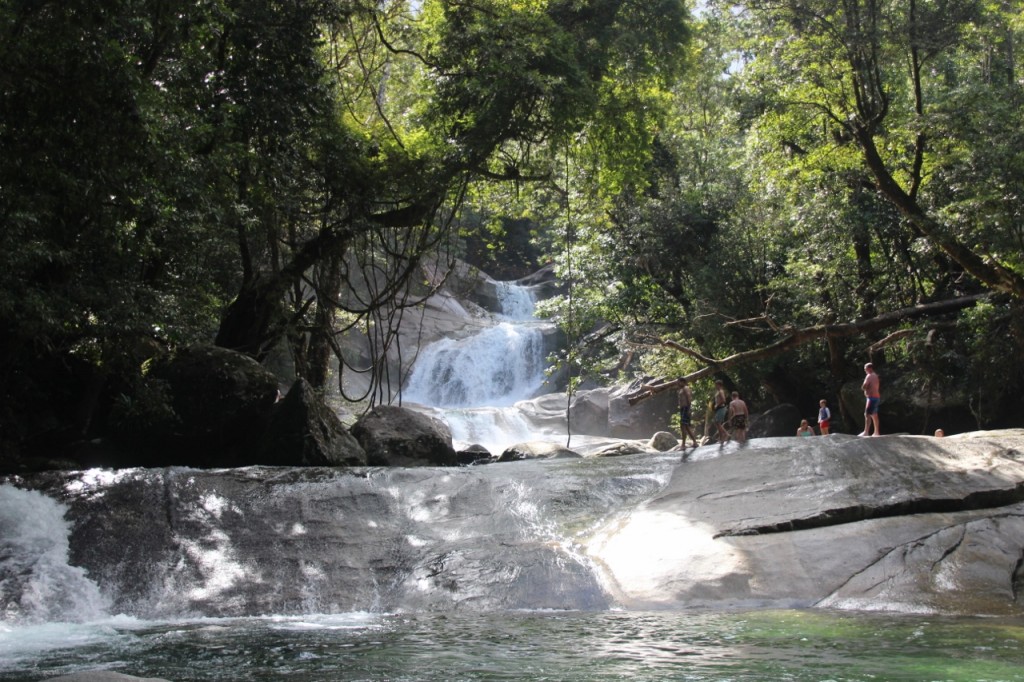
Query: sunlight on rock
point(215, 504)
point(652, 555)
point(218, 564)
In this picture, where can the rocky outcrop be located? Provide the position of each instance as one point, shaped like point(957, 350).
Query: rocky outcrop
point(304, 431)
point(396, 436)
point(896, 523)
point(200, 406)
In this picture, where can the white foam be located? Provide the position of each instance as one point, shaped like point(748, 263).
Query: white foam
point(37, 584)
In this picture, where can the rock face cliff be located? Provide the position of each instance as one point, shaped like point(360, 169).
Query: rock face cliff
point(896, 523)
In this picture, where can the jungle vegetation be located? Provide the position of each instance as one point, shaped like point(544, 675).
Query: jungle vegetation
point(769, 191)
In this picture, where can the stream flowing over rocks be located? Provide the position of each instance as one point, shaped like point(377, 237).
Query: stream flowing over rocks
point(895, 523)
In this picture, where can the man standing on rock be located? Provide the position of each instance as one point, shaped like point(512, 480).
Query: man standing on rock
point(685, 397)
point(739, 415)
point(873, 395)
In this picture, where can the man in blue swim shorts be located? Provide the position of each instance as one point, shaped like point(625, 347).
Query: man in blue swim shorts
point(872, 395)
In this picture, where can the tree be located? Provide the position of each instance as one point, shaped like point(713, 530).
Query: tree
point(255, 171)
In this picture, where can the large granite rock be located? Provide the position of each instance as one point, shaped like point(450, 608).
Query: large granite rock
point(898, 523)
point(396, 436)
point(304, 431)
point(199, 406)
point(904, 523)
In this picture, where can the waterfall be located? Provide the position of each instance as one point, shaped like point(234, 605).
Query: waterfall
point(37, 583)
point(495, 367)
point(474, 382)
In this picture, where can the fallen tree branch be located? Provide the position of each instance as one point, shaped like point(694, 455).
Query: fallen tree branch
point(798, 337)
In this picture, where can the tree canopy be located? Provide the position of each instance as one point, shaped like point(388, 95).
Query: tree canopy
point(270, 175)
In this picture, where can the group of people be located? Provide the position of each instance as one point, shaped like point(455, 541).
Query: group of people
point(728, 411)
point(872, 397)
point(731, 412)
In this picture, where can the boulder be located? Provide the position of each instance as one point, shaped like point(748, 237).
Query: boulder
point(641, 420)
point(201, 406)
point(779, 421)
point(537, 450)
point(663, 441)
point(304, 431)
point(397, 436)
point(474, 454)
point(588, 411)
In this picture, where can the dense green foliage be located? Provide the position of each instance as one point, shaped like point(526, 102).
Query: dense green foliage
point(269, 175)
point(827, 162)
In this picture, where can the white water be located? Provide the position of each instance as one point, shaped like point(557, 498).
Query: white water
point(476, 381)
point(37, 584)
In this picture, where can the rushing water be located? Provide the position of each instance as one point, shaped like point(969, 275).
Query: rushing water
point(474, 382)
point(167, 547)
point(569, 646)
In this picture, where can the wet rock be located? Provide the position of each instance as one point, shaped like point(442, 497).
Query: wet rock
point(396, 436)
point(663, 441)
point(902, 523)
point(537, 450)
point(103, 676)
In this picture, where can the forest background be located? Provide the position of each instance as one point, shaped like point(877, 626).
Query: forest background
point(770, 192)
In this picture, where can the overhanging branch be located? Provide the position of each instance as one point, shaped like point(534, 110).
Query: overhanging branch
point(799, 337)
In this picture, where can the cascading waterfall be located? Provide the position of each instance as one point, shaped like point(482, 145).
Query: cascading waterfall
point(476, 381)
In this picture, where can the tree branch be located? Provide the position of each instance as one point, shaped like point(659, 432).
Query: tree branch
point(799, 337)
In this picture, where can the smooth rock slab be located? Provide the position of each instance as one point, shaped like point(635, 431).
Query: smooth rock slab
point(906, 523)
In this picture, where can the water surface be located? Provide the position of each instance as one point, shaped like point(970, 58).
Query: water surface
point(595, 646)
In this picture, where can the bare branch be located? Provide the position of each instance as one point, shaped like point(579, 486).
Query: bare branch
point(798, 337)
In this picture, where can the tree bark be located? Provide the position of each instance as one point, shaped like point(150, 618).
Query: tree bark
point(798, 337)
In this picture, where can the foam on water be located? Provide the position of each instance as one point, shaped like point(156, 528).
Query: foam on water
point(37, 583)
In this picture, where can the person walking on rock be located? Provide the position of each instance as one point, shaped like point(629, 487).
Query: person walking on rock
point(873, 396)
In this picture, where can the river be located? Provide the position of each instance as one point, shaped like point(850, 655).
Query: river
point(476, 573)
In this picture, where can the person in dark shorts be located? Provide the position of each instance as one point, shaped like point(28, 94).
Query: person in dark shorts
point(685, 397)
point(739, 415)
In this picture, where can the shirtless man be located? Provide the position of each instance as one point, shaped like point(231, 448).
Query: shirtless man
point(720, 409)
point(872, 395)
point(739, 415)
point(685, 397)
